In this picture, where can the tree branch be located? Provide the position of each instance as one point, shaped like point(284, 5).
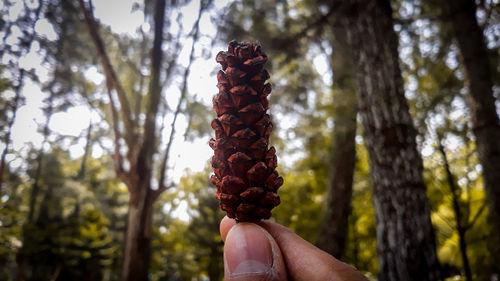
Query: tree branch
point(195, 33)
point(279, 42)
point(117, 157)
point(160, 190)
point(171, 63)
point(148, 144)
point(476, 217)
point(454, 189)
point(138, 101)
point(317, 23)
point(110, 73)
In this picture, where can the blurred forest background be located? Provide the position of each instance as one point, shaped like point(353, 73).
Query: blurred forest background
point(393, 105)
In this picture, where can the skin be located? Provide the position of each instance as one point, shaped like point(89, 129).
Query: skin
point(279, 255)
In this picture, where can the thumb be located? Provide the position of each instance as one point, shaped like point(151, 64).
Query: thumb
point(250, 253)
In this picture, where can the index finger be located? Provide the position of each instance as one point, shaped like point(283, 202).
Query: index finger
point(306, 262)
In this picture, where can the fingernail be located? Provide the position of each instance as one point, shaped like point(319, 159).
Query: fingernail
point(247, 250)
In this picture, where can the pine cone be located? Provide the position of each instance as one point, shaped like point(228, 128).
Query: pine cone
point(244, 167)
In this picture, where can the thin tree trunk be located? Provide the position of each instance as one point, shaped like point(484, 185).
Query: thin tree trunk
point(459, 220)
point(334, 230)
point(83, 164)
point(35, 188)
point(333, 234)
point(478, 80)
point(20, 81)
point(405, 238)
point(140, 92)
point(215, 271)
point(355, 240)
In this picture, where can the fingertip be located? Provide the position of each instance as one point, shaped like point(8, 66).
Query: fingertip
point(251, 254)
point(225, 225)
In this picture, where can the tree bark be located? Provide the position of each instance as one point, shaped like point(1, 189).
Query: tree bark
point(459, 220)
point(334, 231)
point(405, 238)
point(478, 81)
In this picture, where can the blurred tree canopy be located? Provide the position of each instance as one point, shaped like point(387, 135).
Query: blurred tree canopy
point(66, 215)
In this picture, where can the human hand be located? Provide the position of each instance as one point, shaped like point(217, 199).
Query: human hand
point(268, 251)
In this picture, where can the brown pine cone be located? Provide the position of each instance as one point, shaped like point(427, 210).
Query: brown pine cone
point(244, 167)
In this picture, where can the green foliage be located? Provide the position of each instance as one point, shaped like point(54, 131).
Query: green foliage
point(69, 235)
point(303, 203)
point(10, 228)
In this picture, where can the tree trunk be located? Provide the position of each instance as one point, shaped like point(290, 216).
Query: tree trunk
point(138, 237)
point(478, 80)
point(334, 230)
point(35, 188)
point(333, 234)
point(140, 216)
point(215, 265)
point(405, 238)
point(141, 147)
point(459, 220)
point(355, 240)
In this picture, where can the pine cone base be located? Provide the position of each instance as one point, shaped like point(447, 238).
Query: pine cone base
point(244, 166)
